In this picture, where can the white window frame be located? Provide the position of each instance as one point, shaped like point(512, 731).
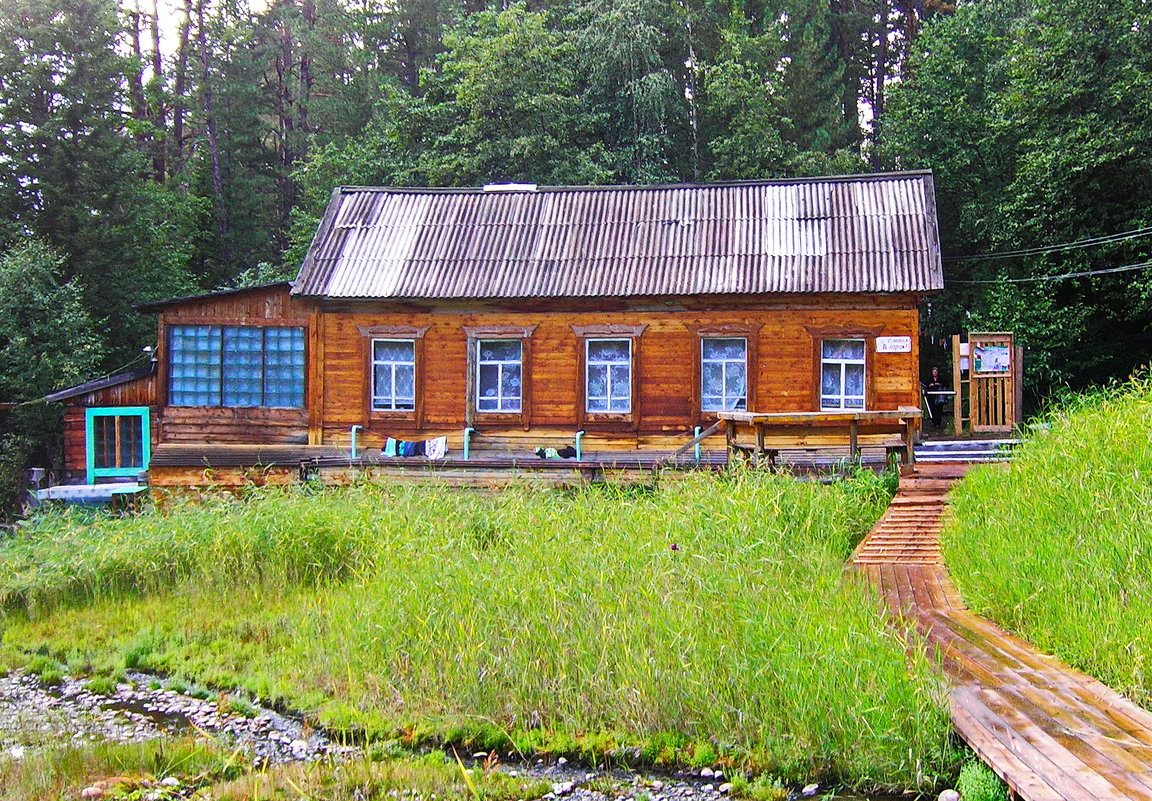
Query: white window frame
point(589, 363)
point(724, 366)
point(841, 396)
point(502, 401)
point(391, 365)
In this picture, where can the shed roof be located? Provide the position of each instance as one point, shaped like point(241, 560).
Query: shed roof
point(867, 234)
point(98, 384)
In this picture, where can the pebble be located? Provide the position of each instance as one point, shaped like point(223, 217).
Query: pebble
point(949, 795)
point(706, 773)
point(809, 790)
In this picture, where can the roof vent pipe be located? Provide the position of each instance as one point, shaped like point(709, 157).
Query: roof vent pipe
point(509, 187)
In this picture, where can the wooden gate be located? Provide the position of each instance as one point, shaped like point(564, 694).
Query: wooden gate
point(989, 365)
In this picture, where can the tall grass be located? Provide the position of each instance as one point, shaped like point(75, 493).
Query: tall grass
point(1058, 546)
point(705, 620)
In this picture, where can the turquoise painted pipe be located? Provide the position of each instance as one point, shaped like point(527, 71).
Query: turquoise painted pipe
point(354, 430)
point(579, 450)
point(468, 432)
point(696, 447)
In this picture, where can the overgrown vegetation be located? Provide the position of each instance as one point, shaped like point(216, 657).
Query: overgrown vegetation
point(1057, 546)
point(138, 771)
point(704, 622)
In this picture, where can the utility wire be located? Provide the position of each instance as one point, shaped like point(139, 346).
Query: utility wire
point(1125, 269)
point(1058, 248)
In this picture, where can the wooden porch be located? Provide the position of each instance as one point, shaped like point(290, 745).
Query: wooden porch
point(802, 442)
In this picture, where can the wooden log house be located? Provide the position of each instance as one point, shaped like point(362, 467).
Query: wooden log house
point(619, 320)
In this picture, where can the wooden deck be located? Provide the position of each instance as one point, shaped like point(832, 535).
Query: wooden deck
point(1051, 732)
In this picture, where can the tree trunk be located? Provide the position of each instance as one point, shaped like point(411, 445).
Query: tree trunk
point(160, 160)
point(213, 140)
point(180, 88)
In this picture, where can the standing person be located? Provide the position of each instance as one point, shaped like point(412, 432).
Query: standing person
point(936, 402)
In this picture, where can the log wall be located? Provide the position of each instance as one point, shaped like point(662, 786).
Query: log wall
point(784, 336)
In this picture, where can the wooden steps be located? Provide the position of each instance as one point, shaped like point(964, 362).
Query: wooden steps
point(1051, 732)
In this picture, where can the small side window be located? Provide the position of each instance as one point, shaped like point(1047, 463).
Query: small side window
point(118, 441)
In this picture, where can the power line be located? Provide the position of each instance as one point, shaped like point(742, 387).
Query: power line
point(1125, 269)
point(1058, 248)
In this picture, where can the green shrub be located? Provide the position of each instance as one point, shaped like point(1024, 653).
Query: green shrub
point(977, 782)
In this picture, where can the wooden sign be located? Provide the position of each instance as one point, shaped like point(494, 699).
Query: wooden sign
point(893, 344)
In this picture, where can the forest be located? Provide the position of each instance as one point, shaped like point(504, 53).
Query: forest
point(156, 148)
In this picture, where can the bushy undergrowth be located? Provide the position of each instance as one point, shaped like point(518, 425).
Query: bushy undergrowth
point(1058, 546)
point(705, 621)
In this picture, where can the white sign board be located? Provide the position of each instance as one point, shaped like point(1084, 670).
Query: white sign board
point(893, 344)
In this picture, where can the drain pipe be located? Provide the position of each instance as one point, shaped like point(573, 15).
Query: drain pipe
point(354, 430)
point(468, 432)
point(696, 447)
point(579, 450)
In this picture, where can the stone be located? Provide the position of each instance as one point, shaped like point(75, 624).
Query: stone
point(657, 785)
point(725, 788)
point(718, 775)
point(92, 792)
point(480, 755)
point(563, 788)
point(708, 788)
point(170, 781)
point(949, 795)
point(562, 761)
point(810, 790)
point(706, 773)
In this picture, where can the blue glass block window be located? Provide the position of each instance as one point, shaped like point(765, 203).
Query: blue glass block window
point(723, 374)
point(243, 366)
point(283, 367)
point(236, 365)
point(608, 379)
point(195, 364)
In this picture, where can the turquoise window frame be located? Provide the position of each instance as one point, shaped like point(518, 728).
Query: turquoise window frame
point(90, 415)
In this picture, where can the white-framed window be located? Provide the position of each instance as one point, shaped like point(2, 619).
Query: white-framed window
point(499, 375)
point(608, 376)
point(842, 374)
point(723, 373)
point(393, 375)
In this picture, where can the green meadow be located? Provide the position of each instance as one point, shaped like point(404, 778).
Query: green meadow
point(708, 621)
point(1057, 545)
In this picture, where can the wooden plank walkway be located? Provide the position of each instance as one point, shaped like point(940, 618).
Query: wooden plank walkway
point(1051, 732)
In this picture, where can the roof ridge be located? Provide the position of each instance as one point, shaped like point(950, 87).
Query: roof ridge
point(542, 188)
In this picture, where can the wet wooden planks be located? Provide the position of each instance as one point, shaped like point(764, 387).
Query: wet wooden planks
point(1051, 732)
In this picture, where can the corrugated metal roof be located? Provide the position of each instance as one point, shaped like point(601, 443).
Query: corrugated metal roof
point(873, 233)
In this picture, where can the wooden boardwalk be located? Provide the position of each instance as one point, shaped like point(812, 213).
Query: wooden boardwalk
point(1051, 732)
